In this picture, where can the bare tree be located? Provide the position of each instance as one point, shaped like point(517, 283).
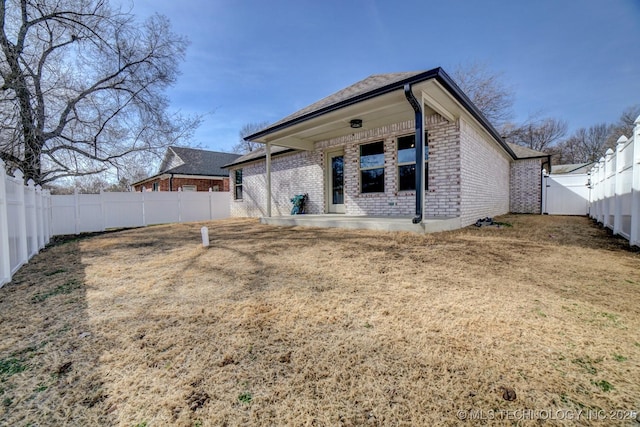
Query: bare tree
point(585, 145)
point(82, 87)
point(624, 125)
point(487, 90)
point(243, 146)
point(538, 135)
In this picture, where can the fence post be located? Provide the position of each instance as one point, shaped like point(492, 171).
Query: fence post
point(76, 204)
point(617, 201)
point(210, 203)
point(31, 218)
point(23, 254)
point(103, 215)
point(601, 185)
point(179, 204)
point(634, 238)
point(47, 215)
point(144, 207)
point(40, 217)
point(5, 260)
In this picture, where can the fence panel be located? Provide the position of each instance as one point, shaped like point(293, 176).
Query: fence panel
point(615, 188)
point(63, 215)
point(161, 207)
point(23, 222)
point(123, 210)
point(220, 204)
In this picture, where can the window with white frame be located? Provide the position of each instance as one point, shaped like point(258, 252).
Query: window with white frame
point(372, 167)
point(189, 188)
point(237, 184)
point(407, 162)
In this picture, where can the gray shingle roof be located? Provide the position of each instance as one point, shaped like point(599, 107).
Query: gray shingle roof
point(525, 152)
point(369, 84)
point(192, 161)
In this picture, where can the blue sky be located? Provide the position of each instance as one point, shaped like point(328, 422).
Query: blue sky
point(253, 61)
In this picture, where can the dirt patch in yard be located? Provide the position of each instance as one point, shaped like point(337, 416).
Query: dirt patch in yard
point(303, 326)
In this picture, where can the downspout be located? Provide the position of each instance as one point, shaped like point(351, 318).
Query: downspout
point(419, 148)
point(171, 182)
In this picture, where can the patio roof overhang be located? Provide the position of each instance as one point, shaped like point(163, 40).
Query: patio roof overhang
point(379, 107)
point(382, 110)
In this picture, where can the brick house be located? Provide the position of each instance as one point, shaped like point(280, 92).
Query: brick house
point(189, 169)
point(357, 153)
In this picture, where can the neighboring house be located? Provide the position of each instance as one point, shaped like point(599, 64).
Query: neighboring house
point(190, 169)
point(355, 152)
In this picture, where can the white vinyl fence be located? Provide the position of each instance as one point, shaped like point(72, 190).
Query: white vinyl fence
point(30, 216)
point(615, 188)
point(24, 222)
point(82, 213)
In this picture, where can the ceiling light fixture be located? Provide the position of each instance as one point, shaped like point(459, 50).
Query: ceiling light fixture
point(356, 123)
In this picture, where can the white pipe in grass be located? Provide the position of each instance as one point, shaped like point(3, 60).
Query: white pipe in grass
point(205, 236)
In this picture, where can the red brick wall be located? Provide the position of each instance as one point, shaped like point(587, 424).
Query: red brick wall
point(201, 184)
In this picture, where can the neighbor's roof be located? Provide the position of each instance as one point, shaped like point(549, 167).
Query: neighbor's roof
point(376, 85)
point(576, 168)
point(526, 152)
point(192, 161)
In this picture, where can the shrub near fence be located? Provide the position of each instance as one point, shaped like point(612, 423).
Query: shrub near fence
point(615, 188)
point(24, 221)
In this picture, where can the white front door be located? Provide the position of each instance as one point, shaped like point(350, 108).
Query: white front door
point(335, 181)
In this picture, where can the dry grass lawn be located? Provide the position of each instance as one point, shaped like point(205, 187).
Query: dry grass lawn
point(324, 327)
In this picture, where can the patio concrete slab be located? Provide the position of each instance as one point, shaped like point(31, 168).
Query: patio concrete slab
point(428, 225)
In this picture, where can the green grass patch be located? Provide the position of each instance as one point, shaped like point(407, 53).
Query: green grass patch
point(54, 272)
point(65, 288)
point(245, 397)
point(587, 364)
point(11, 366)
point(619, 357)
point(603, 385)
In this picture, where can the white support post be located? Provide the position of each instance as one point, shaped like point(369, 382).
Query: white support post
point(5, 260)
point(268, 164)
point(634, 238)
point(617, 200)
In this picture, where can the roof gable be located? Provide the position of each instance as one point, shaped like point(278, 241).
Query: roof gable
point(192, 161)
